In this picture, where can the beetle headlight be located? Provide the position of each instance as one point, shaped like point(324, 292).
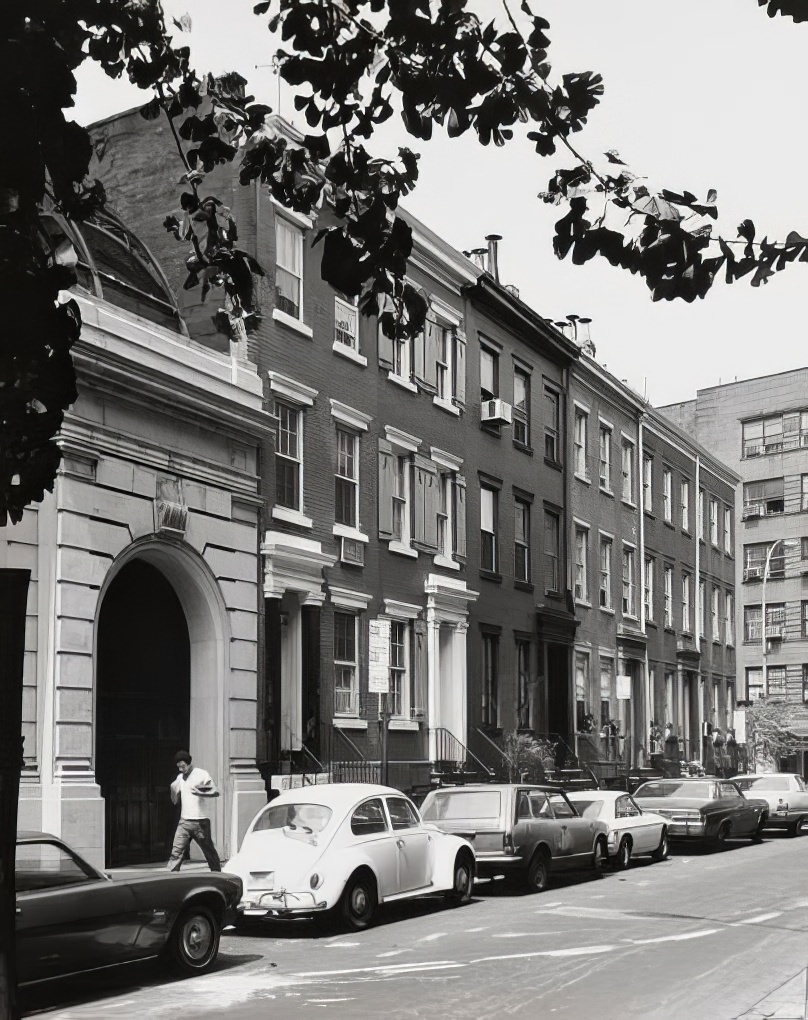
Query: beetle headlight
point(316, 881)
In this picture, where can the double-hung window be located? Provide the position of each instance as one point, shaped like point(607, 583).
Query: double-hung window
point(346, 680)
point(668, 582)
point(686, 603)
point(521, 540)
point(713, 520)
point(521, 407)
point(289, 456)
point(715, 617)
point(346, 323)
point(346, 482)
point(627, 451)
point(489, 373)
point(581, 563)
point(552, 534)
point(552, 400)
point(685, 505)
point(629, 607)
point(729, 618)
point(399, 697)
point(648, 483)
point(288, 268)
point(489, 555)
point(402, 495)
point(727, 530)
point(579, 441)
point(667, 494)
point(648, 588)
point(490, 680)
point(605, 447)
point(605, 585)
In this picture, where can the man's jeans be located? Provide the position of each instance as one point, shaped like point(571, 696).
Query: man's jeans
point(197, 829)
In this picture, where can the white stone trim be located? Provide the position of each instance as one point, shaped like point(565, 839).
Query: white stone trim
point(344, 598)
point(285, 513)
point(350, 416)
point(343, 531)
point(402, 550)
point(345, 351)
point(444, 459)
point(404, 440)
point(446, 405)
point(298, 393)
point(349, 722)
point(445, 562)
point(402, 724)
point(449, 315)
point(296, 324)
point(299, 219)
point(401, 610)
point(399, 380)
point(294, 563)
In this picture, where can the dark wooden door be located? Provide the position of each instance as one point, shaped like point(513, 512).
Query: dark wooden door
point(143, 707)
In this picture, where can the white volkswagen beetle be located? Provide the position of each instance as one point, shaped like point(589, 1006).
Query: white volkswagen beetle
point(346, 847)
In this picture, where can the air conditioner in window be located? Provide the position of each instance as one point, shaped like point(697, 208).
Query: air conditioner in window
point(751, 572)
point(352, 552)
point(752, 510)
point(498, 411)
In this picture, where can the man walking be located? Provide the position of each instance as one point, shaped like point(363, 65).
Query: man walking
point(190, 788)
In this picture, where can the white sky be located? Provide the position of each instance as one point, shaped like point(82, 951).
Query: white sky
point(698, 95)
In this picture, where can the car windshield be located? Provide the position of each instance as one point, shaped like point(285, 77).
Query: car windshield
point(693, 791)
point(306, 817)
point(462, 804)
point(764, 783)
point(588, 808)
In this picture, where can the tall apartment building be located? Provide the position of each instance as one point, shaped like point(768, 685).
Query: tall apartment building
point(653, 576)
point(760, 428)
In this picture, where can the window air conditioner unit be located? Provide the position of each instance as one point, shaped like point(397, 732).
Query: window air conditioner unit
point(752, 510)
point(352, 552)
point(498, 411)
point(751, 572)
point(774, 631)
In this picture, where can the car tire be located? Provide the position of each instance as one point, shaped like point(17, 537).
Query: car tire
point(757, 835)
point(722, 834)
point(193, 944)
point(359, 901)
point(538, 872)
point(795, 829)
point(661, 852)
point(600, 856)
point(463, 872)
point(622, 858)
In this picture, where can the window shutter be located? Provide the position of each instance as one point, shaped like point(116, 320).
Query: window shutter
point(460, 516)
point(418, 347)
point(460, 368)
point(427, 502)
point(426, 369)
point(387, 469)
point(420, 669)
point(384, 342)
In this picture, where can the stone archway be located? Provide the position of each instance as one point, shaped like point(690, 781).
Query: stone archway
point(160, 612)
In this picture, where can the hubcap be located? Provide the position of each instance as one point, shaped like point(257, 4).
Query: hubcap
point(360, 900)
point(198, 935)
point(460, 879)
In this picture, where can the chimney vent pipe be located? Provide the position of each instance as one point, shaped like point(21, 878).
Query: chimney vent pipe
point(493, 262)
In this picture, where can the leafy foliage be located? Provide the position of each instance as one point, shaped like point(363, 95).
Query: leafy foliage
point(768, 726)
point(352, 64)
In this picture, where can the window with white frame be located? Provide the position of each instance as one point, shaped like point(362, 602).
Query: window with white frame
point(628, 606)
point(714, 520)
point(627, 453)
point(754, 683)
point(489, 373)
point(521, 540)
point(668, 584)
point(700, 520)
point(605, 454)
point(490, 680)
point(489, 556)
point(605, 585)
point(346, 323)
point(552, 443)
point(402, 494)
point(288, 456)
point(581, 689)
point(346, 481)
point(648, 482)
point(715, 617)
point(521, 406)
point(729, 618)
point(580, 442)
point(398, 698)
point(449, 362)
point(606, 686)
point(686, 603)
point(763, 498)
point(727, 530)
point(288, 268)
point(702, 608)
point(552, 555)
point(346, 676)
point(581, 563)
point(648, 588)
point(685, 491)
point(667, 494)
point(451, 512)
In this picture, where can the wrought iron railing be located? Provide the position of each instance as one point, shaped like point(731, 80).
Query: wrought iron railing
point(449, 751)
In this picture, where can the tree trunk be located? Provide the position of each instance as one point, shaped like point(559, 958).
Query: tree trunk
point(13, 599)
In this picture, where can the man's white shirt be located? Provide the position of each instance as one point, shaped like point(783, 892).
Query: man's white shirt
point(185, 789)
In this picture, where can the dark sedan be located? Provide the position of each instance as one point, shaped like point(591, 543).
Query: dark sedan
point(706, 809)
point(73, 918)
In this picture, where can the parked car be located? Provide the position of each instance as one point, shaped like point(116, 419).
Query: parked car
point(632, 831)
point(709, 810)
point(786, 794)
point(72, 917)
point(519, 830)
point(347, 848)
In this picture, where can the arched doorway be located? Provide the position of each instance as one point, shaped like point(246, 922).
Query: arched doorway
point(142, 710)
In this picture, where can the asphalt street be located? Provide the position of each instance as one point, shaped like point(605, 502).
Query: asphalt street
point(703, 936)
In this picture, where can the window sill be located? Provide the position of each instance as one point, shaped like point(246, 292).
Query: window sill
point(446, 405)
point(446, 562)
point(651, 623)
point(628, 502)
point(282, 513)
point(404, 724)
point(348, 352)
point(491, 575)
point(519, 445)
point(349, 722)
point(344, 531)
point(405, 384)
point(556, 465)
point(294, 324)
point(523, 585)
point(631, 616)
point(584, 479)
point(402, 550)
point(607, 609)
point(583, 602)
point(650, 514)
point(606, 492)
point(669, 524)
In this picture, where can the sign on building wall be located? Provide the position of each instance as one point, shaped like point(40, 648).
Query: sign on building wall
point(623, 687)
point(379, 657)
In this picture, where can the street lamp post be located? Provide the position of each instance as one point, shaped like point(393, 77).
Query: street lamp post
point(786, 543)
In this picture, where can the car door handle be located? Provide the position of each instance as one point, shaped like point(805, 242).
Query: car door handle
point(400, 844)
point(18, 910)
point(564, 827)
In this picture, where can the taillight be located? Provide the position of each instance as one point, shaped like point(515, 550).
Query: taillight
point(507, 843)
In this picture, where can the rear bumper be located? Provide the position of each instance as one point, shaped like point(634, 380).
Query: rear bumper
point(496, 864)
point(686, 829)
point(286, 904)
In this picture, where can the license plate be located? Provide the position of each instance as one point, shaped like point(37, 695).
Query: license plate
point(262, 880)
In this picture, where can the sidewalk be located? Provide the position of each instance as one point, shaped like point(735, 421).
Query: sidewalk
point(788, 1002)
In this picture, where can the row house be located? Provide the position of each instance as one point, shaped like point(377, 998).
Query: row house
point(651, 530)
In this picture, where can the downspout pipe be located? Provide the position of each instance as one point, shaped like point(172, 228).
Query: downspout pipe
point(646, 715)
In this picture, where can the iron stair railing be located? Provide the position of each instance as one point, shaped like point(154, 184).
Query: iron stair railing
point(347, 764)
point(504, 766)
point(451, 752)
